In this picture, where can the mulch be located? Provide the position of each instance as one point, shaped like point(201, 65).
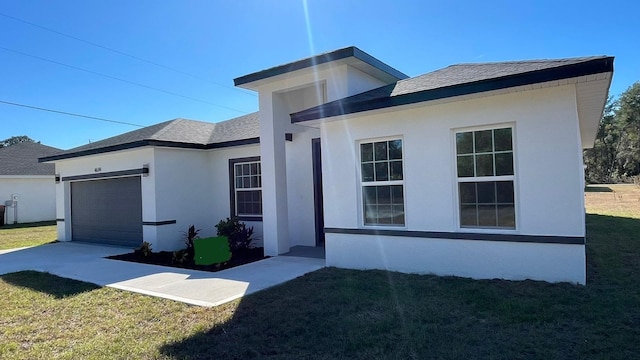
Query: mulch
point(165, 258)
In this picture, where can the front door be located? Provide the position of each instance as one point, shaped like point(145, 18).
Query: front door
point(317, 191)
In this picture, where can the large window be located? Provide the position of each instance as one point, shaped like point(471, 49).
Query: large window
point(246, 188)
point(382, 182)
point(485, 170)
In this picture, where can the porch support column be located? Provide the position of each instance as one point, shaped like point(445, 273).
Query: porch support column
point(275, 222)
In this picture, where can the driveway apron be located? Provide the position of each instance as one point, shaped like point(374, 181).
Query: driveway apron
point(86, 262)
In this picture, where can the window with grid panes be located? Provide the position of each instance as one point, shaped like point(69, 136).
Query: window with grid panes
point(248, 188)
point(484, 161)
point(382, 182)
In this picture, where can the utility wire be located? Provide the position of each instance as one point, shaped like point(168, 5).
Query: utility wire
point(120, 79)
point(127, 55)
point(68, 113)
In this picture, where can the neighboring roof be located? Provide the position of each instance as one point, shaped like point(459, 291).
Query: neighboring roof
point(456, 80)
point(180, 133)
point(335, 55)
point(22, 159)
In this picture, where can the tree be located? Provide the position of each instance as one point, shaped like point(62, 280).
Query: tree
point(628, 116)
point(615, 155)
point(601, 160)
point(16, 140)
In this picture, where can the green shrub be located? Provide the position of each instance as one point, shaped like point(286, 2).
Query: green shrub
point(180, 257)
point(189, 236)
point(144, 249)
point(239, 235)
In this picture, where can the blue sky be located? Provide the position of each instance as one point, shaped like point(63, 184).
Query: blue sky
point(216, 41)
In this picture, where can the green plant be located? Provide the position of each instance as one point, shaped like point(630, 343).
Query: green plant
point(180, 256)
point(145, 249)
point(239, 235)
point(189, 236)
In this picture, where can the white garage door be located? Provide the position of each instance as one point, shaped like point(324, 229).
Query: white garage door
point(107, 211)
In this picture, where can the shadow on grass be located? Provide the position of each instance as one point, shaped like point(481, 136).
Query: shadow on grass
point(597, 188)
point(47, 283)
point(613, 249)
point(28, 225)
point(347, 314)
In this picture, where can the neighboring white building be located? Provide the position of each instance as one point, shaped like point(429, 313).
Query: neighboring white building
point(27, 187)
point(473, 170)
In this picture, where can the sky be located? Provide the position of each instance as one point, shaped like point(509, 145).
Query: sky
point(146, 61)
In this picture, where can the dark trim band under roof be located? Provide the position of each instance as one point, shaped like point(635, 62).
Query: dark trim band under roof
point(142, 143)
point(362, 102)
point(344, 53)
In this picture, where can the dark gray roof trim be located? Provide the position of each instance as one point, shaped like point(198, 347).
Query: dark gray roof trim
point(388, 96)
point(344, 53)
point(142, 143)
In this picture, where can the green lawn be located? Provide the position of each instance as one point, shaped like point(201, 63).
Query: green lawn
point(31, 234)
point(347, 314)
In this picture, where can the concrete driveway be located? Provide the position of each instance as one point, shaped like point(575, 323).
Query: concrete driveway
point(87, 263)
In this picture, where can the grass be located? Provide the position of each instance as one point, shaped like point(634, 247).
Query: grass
point(335, 313)
point(621, 200)
point(31, 234)
point(44, 316)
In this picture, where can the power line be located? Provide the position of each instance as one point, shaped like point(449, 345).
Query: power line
point(69, 114)
point(126, 54)
point(120, 79)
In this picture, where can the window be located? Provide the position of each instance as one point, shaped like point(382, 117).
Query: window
point(484, 161)
point(246, 188)
point(382, 182)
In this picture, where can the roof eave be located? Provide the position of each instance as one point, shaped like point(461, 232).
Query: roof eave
point(247, 81)
point(143, 143)
point(338, 108)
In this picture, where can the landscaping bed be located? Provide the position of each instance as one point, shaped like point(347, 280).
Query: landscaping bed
point(231, 248)
point(166, 258)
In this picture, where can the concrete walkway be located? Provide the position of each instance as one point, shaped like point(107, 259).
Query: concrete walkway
point(86, 263)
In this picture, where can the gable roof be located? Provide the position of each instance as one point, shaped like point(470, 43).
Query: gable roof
point(456, 80)
point(363, 61)
point(181, 133)
point(22, 159)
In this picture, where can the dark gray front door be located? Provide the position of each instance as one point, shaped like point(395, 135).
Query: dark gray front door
point(317, 191)
point(107, 211)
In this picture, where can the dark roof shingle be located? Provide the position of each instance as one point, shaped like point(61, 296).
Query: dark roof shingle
point(177, 132)
point(461, 79)
point(22, 159)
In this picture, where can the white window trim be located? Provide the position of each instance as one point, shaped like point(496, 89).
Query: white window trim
point(361, 184)
point(236, 189)
point(456, 180)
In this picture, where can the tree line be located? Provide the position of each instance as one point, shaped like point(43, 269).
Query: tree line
point(16, 140)
point(615, 157)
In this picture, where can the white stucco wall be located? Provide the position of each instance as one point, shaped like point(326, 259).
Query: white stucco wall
point(548, 168)
point(466, 258)
point(300, 188)
point(219, 168)
point(358, 81)
point(183, 192)
point(287, 221)
point(36, 198)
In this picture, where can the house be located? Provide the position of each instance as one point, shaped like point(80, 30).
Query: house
point(27, 187)
point(472, 170)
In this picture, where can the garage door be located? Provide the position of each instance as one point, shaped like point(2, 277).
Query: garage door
point(107, 211)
